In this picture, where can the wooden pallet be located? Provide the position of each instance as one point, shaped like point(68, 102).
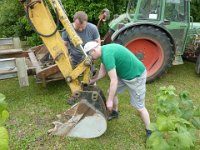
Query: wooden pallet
point(44, 72)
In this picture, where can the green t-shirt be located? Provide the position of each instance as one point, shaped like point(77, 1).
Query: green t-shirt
point(127, 65)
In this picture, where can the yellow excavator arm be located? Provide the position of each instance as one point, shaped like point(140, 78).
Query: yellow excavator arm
point(87, 118)
point(42, 21)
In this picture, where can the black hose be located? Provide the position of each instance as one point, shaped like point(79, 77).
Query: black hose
point(29, 20)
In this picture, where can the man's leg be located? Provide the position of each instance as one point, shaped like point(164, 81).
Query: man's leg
point(146, 119)
point(137, 90)
point(145, 116)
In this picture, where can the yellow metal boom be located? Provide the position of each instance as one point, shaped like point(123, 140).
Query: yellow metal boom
point(42, 21)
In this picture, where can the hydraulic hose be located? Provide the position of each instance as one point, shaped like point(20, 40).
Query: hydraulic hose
point(29, 20)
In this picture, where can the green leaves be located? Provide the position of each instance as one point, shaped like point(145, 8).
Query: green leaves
point(196, 122)
point(197, 112)
point(13, 20)
point(167, 101)
point(195, 10)
point(3, 112)
point(4, 115)
point(165, 123)
point(11, 11)
point(156, 142)
point(3, 138)
point(177, 121)
point(185, 139)
point(3, 104)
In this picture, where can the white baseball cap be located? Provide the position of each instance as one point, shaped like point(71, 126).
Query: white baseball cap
point(90, 45)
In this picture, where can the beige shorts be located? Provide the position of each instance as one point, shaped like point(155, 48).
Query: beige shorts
point(136, 88)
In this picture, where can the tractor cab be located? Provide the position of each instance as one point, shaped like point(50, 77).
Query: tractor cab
point(145, 10)
point(172, 15)
point(160, 10)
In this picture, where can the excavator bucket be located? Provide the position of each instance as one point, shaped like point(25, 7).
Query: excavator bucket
point(85, 119)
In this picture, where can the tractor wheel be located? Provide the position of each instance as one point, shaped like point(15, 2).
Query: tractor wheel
point(151, 45)
point(197, 68)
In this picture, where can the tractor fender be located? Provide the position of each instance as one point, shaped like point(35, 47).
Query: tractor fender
point(118, 32)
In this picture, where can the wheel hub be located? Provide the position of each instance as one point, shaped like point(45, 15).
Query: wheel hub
point(149, 52)
point(140, 55)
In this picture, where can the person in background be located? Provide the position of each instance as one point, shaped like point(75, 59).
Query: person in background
point(87, 32)
point(125, 70)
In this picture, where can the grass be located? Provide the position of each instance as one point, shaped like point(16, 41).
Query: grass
point(33, 108)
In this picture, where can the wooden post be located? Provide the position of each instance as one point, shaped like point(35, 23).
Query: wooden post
point(22, 72)
point(16, 43)
point(34, 62)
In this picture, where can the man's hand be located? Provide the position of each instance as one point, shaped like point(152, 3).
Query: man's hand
point(109, 105)
point(100, 75)
point(92, 81)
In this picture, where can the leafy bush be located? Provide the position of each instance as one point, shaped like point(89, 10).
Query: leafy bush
point(13, 20)
point(176, 123)
point(195, 4)
point(93, 9)
point(11, 12)
point(3, 117)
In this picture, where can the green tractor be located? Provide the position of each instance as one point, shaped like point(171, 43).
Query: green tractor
point(158, 32)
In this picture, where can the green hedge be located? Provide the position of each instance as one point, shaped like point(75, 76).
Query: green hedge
point(195, 5)
point(13, 21)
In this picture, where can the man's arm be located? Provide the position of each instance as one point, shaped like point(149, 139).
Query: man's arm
point(101, 74)
point(113, 88)
point(95, 34)
point(64, 37)
point(65, 42)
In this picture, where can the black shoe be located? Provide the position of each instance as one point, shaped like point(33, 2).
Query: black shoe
point(148, 133)
point(113, 115)
point(72, 101)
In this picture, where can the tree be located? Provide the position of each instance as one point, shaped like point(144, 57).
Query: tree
point(195, 5)
point(13, 21)
point(11, 12)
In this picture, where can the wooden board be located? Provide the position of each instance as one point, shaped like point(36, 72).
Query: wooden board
point(34, 61)
point(10, 43)
point(10, 51)
point(22, 72)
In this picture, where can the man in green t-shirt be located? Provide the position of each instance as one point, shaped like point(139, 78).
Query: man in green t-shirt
point(125, 71)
